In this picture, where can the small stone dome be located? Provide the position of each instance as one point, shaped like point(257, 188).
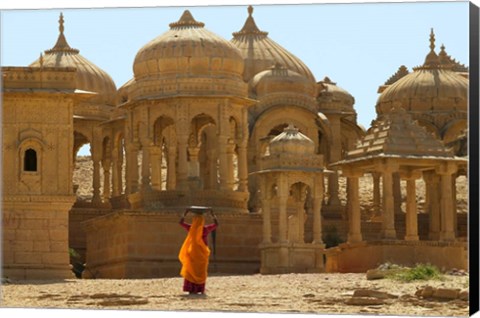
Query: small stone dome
point(291, 141)
point(434, 86)
point(279, 79)
point(331, 94)
point(89, 76)
point(260, 52)
point(188, 49)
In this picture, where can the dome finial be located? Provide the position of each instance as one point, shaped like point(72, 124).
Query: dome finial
point(187, 21)
point(432, 40)
point(41, 59)
point(432, 58)
point(250, 28)
point(61, 28)
point(61, 45)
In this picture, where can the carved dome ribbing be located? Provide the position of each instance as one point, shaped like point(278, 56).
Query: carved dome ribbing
point(89, 76)
point(261, 53)
point(278, 79)
point(291, 141)
point(433, 86)
point(188, 49)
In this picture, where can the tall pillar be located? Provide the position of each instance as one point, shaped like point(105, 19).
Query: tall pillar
point(106, 179)
point(212, 168)
point(193, 165)
point(354, 217)
point(222, 151)
point(230, 169)
point(282, 207)
point(397, 193)
point(335, 155)
point(388, 213)
point(115, 179)
point(432, 181)
point(132, 167)
point(447, 232)
point(171, 168)
point(376, 194)
point(96, 155)
point(242, 167)
point(182, 172)
point(120, 170)
point(411, 218)
point(146, 166)
point(266, 214)
point(317, 209)
point(156, 167)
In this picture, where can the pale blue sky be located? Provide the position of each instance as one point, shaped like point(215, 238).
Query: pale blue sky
point(358, 45)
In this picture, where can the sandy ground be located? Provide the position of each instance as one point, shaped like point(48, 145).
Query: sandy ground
point(288, 293)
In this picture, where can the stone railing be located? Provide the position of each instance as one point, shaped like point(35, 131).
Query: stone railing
point(39, 78)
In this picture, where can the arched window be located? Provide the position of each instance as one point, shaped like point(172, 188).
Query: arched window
point(30, 160)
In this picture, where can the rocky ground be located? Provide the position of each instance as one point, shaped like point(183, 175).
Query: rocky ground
point(326, 294)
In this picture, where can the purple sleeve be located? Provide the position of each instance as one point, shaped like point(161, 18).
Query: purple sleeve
point(210, 227)
point(186, 226)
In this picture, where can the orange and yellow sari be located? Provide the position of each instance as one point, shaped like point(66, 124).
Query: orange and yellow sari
point(194, 255)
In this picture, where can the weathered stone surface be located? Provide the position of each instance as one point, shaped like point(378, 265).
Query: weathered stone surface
point(364, 301)
point(373, 293)
point(464, 295)
point(446, 293)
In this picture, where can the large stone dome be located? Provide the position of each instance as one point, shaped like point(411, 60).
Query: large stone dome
point(434, 86)
point(188, 49)
point(261, 53)
point(89, 76)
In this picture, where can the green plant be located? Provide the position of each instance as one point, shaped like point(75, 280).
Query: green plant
point(419, 272)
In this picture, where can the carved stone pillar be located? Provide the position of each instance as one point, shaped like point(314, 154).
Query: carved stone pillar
point(115, 179)
point(156, 167)
point(182, 162)
point(447, 232)
point(282, 208)
point(171, 168)
point(388, 213)
point(335, 155)
point(146, 166)
point(222, 151)
point(317, 209)
point(242, 167)
point(106, 179)
point(432, 181)
point(132, 167)
point(354, 217)
point(266, 214)
point(397, 193)
point(376, 194)
point(96, 155)
point(411, 218)
point(230, 168)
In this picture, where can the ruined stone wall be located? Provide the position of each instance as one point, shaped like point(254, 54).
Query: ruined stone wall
point(35, 239)
point(356, 258)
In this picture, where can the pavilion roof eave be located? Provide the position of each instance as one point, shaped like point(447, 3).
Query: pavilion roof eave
point(368, 163)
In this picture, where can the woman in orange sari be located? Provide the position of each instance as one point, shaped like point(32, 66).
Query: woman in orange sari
point(194, 253)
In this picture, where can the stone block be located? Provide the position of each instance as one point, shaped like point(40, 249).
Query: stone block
point(41, 246)
point(58, 246)
point(464, 295)
point(373, 293)
point(364, 301)
point(27, 258)
point(55, 258)
point(446, 293)
point(23, 246)
point(58, 235)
